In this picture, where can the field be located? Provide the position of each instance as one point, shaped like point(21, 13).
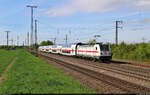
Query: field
point(29, 74)
point(5, 58)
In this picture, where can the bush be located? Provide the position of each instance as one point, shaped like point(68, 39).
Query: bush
point(138, 52)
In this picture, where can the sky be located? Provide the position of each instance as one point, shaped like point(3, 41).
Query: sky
point(80, 20)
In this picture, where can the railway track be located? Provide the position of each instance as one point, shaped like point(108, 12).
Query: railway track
point(123, 66)
point(134, 64)
point(129, 68)
point(122, 72)
point(116, 82)
point(132, 72)
point(130, 76)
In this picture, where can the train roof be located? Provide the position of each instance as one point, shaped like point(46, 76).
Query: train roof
point(67, 45)
point(89, 44)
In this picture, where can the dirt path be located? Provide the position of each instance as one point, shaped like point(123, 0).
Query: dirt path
point(4, 75)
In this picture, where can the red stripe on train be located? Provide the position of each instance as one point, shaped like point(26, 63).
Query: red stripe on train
point(74, 50)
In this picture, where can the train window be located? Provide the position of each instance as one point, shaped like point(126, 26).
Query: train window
point(66, 52)
point(54, 50)
point(96, 48)
point(104, 48)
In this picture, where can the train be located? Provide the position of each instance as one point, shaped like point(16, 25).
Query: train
point(97, 51)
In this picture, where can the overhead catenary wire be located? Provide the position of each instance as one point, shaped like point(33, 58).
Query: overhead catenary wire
point(86, 30)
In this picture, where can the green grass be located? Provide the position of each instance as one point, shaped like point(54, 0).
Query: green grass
point(5, 59)
point(29, 74)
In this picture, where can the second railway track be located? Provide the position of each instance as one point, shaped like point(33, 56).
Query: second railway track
point(127, 71)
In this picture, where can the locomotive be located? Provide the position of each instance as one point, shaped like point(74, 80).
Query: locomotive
point(97, 51)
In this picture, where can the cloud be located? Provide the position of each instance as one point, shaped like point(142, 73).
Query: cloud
point(130, 22)
point(87, 6)
point(145, 21)
point(143, 3)
point(141, 21)
point(94, 6)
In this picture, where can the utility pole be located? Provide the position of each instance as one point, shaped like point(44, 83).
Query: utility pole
point(31, 40)
point(28, 38)
point(17, 40)
point(57, 31)
point(143, 39)
point(36, 43)
point(23, 44)
point(66, 39)
point(117, 27)
point(7, 38)
point(56, 36)
point(36, 34)
point(12, 41)
point(55, 41)
point(70, 31)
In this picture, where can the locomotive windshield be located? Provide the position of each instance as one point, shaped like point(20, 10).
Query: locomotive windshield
point(104, 48)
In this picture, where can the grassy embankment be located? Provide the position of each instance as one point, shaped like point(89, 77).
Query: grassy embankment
point(134, 52)
point(29, 74)
point(5, 59)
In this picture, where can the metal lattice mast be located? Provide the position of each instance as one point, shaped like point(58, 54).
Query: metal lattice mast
point(31, 38)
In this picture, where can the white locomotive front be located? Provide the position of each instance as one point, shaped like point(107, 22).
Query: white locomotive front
point(95, 51)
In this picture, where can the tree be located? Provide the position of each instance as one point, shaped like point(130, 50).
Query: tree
point(92, 42)
point(46, 43)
